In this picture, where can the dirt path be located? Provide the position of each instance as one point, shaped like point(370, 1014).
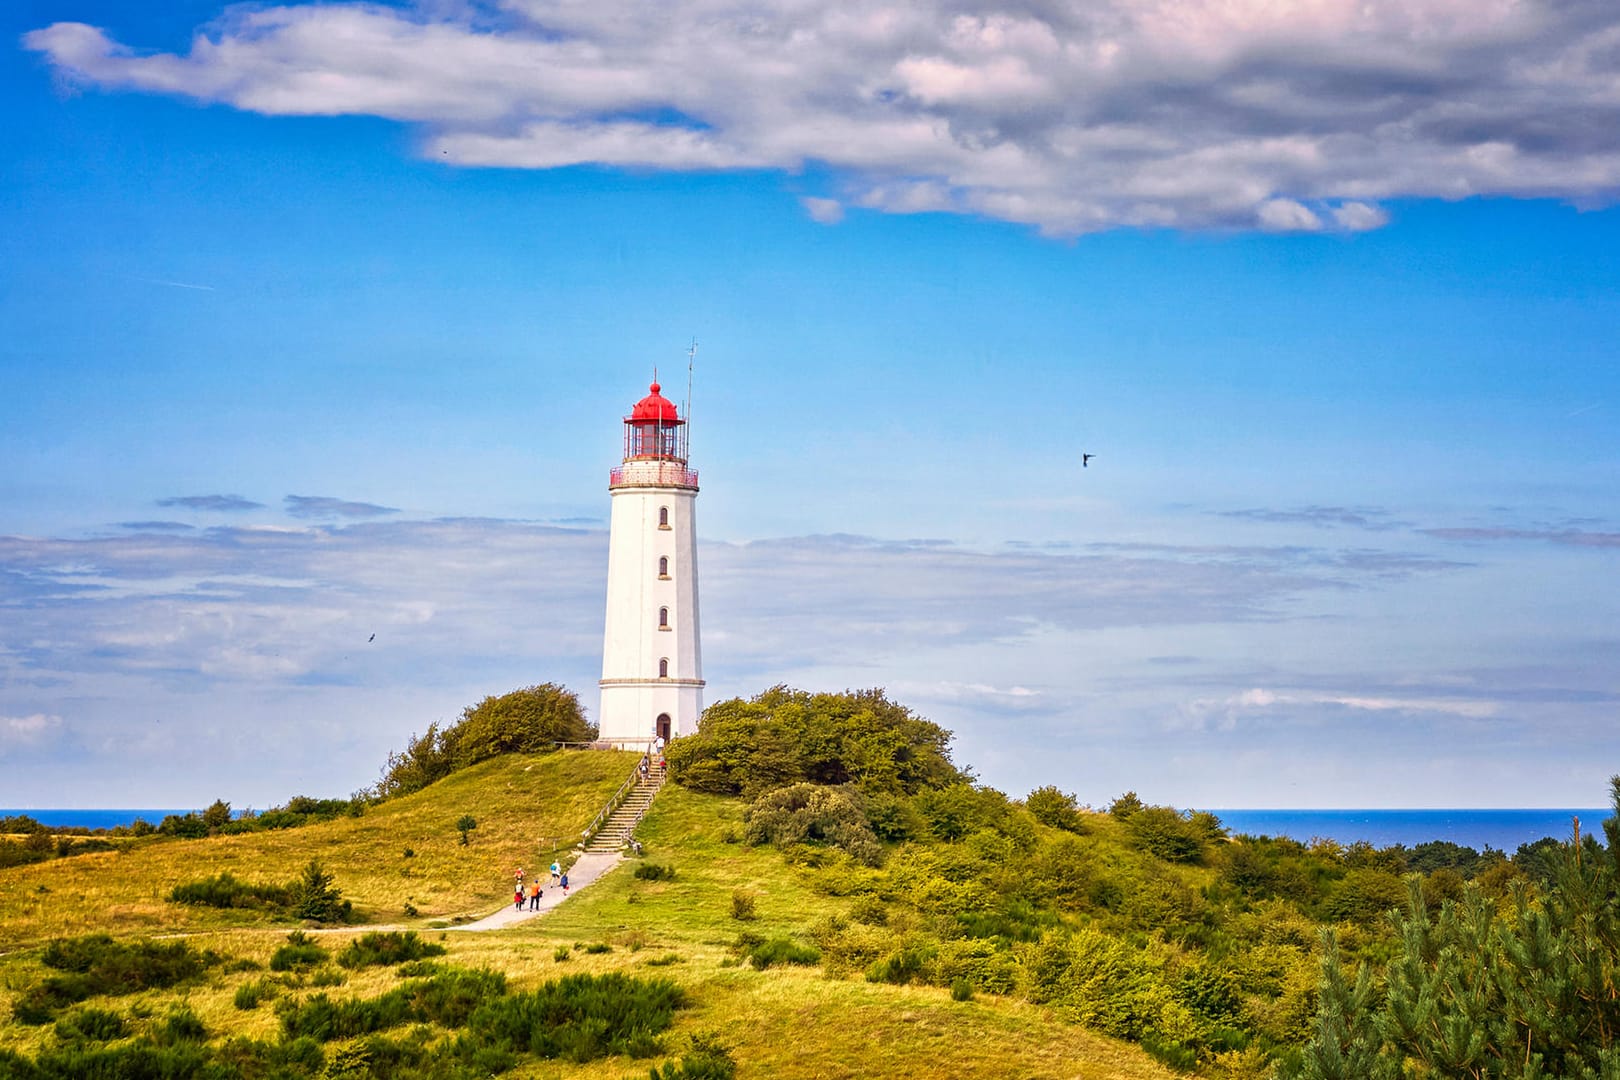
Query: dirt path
point(586, 869)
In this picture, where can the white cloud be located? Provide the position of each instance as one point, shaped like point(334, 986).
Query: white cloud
point(31, 730)
point(1227, 711)
point(1359, 217)
point(1190, 114)
point(826, 211)
point(1286, 215)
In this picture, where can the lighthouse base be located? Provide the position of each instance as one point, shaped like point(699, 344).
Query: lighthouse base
point(635, 713)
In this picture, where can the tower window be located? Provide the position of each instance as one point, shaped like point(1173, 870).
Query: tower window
point(663, 618)
point(663, 668)
point(663, 517)
point(663, 566)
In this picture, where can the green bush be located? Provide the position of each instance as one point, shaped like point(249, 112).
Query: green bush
point(784, 736)
point(1166, 834)
point(250, 994)
point(961, 990)
point(184, 826)
point(315, 897)
point(299, 952)
point(907, 964)
point(651, 871)
point(1055, 808)
point(781, 950)
point(808, 813)
point(743, 904)
point(225, 891)
point(527, 721)
point(579, 1018)
point(89, 1025)
point(447, 999)
point(705, 1058)
point(96, 964)
point(181, 1025)
point(382, 948)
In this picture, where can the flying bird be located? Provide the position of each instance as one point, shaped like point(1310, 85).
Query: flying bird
point(370, 639)
point(1085, 459)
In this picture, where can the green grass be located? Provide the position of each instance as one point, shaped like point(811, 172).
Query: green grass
point(787, 1021)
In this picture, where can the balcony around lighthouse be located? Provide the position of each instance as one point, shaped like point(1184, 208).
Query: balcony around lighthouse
point(653, 472)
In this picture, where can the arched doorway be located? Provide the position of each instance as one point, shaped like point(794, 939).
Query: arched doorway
point(663, 726)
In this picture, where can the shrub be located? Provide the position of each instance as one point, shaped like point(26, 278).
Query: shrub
point(1165, 834)
point(742, 905)
point(651, 871)
point(250, 994)
point(527, 721)
point(465, 824)
point(89, 1025)
point(1106, 983)
point(225, 891)
point(1049, 806)
point(781, 950)
point(384, 948)
point(316, 897)
point(808, 813)
point(578, 1018)
point(181, 1025)
point(961, 990)
point(961, 809)
point(563, 953)
point(184, 826)
point(905, 965)
point(784, 736)
point(299, 952)
point(1365, 895)
point(1124, 807)
point(596, 948)
point(218, 814)
point(96, 964)
point(447, 999)
point(665, 961)
point(705, 1058)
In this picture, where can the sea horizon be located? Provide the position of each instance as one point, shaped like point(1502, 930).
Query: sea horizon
point(1504, 828)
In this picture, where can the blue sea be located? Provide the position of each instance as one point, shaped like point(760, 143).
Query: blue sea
point(92, 819)
point(1501, 829)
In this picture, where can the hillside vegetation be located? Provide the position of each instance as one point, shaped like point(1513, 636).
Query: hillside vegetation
point(405, 851)
point(823, 893)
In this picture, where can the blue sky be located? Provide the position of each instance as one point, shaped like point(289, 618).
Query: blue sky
point(317, 321)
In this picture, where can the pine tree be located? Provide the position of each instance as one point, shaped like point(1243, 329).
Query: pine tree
point(1346, 1046)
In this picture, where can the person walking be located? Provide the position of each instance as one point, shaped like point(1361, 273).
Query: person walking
point(534, 895)
point(555, 871)
point(565, 884)
point(518, 899)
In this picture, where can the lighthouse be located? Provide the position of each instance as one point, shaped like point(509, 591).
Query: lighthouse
point(652, 662)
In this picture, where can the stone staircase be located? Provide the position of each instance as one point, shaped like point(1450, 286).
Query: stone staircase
point(616, 831)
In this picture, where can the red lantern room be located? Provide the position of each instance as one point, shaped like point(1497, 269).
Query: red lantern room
point(654, 430)
point(654, 433)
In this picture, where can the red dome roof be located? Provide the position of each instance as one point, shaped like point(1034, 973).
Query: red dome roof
point(655, 407)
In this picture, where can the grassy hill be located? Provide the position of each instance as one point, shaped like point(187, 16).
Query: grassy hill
point(526, 807)
point(789, 1020)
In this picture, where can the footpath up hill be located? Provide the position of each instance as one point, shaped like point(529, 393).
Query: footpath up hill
point(404, 851)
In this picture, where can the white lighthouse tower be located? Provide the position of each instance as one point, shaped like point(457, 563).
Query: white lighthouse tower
point(652, 662)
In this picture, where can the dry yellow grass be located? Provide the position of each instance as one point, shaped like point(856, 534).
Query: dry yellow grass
point(526, 808)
